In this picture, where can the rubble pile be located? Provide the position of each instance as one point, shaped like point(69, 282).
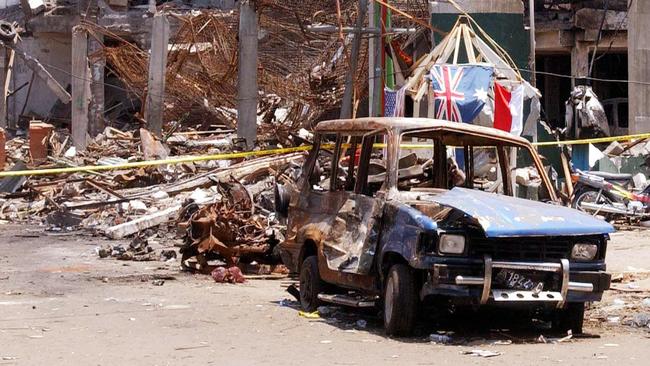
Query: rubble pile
point(224, 207)
point(221, 209)
point(230, 229)
point(628, 302)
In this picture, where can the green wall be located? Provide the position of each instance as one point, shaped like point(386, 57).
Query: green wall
point(506, 29)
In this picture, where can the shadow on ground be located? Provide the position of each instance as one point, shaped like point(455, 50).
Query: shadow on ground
point(483, 327)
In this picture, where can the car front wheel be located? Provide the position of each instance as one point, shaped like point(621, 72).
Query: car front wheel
point(310, 284)
point(400, 301)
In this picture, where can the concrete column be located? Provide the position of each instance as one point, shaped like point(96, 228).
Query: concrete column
point(247, 73)
point(346, 107)
point(638, 70)
point(97, 65)
point(154, 108)
point(80, 87)
point(580, 60)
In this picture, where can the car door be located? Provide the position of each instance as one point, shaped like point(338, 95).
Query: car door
point(336, 210)
point(350, 244)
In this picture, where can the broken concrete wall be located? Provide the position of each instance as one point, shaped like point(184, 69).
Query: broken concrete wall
point(54, 51)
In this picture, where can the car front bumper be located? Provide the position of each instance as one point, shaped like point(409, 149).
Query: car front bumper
point(474, 283)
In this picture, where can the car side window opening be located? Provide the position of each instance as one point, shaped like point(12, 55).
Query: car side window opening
point(527, 180)
point(486, 169)
point(415, 167)
point(372, 165)
point(361, 164)
point(347, 154)
point(321, 172)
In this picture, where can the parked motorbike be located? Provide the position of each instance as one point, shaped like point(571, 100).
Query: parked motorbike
point(609, 195)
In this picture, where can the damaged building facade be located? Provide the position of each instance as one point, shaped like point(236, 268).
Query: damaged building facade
point(52, 33)
point(568, 35)
point(586, 42)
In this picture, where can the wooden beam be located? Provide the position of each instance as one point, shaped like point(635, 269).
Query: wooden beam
point(142, 223)
point(580, 60)
point(155, 107)
point(10, 56)
point(80, 88)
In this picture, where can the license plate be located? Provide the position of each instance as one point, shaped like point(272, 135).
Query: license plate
point(517, 281)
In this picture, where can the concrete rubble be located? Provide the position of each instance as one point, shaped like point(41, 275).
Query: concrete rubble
point(219, 209)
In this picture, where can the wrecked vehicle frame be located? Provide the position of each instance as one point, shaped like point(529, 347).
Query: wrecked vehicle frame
point(399, 244)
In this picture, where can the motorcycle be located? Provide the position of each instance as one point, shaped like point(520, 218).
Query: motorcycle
point(609, 195)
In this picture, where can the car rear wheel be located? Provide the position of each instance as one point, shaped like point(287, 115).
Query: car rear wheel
point(400, 301)
point(310, 284)
point(589, 195)
point(571, 318)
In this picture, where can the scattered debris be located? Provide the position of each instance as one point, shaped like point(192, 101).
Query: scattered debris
point(229, 275)
point(307, 315)
point(440, 338)
point(481, 353)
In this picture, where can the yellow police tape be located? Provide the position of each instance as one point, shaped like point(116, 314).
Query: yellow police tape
point(140, 164)
point(246, 154)
point(595, 141)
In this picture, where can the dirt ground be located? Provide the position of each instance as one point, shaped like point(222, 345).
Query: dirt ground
point(62, 305)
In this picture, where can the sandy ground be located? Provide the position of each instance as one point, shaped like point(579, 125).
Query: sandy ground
point(61, 305)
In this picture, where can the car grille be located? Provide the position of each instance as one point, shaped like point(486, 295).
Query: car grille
point(518, 248)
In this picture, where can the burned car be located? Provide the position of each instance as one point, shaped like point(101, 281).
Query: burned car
point(392, 212)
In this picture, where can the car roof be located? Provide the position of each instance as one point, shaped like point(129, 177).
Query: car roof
point(408, 124)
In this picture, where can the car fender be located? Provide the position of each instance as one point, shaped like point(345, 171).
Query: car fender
point(400, 233)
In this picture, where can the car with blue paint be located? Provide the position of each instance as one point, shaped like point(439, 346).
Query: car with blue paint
point(398, 212)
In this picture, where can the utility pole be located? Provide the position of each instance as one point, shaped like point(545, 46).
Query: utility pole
point(346, 108)
point(374, 62)
point(247, 73)
point(533, 66)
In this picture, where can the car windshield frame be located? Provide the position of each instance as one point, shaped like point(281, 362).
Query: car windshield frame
point(435, 133)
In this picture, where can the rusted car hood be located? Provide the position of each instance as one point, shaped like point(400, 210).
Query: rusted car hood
point(504, 216)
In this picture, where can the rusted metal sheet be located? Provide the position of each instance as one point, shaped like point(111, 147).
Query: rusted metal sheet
point(228, 227)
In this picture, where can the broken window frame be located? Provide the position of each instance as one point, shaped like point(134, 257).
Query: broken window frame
point(310, 163)
point(367, 145)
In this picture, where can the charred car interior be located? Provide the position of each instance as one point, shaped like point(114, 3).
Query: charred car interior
point(392, 212)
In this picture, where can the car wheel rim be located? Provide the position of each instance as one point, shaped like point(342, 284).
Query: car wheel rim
point(388, 302)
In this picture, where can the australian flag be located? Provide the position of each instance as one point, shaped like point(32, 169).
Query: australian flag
point(460, 91)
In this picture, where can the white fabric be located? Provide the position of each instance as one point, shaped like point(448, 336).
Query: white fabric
point(594, 155)
point(517, 110)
